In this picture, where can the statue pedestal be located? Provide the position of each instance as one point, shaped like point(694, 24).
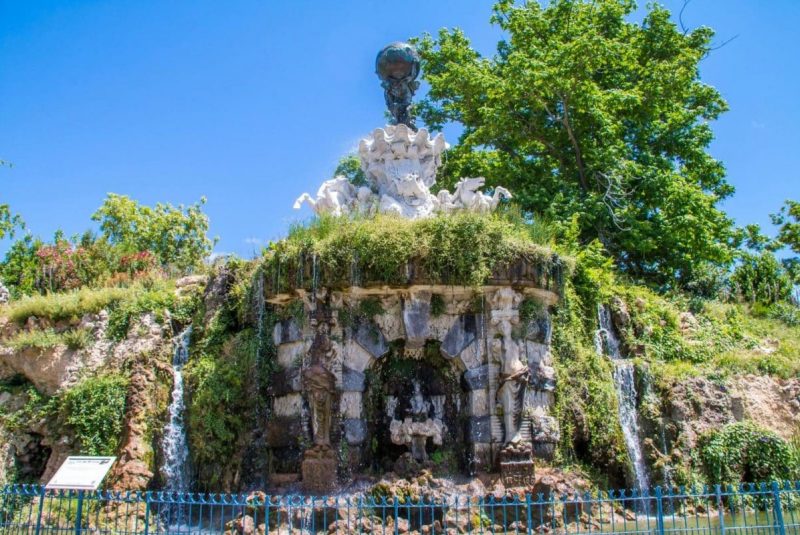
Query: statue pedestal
point(319, 470)
point(516, 465)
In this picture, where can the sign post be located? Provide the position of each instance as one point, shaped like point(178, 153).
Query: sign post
point(81, 474)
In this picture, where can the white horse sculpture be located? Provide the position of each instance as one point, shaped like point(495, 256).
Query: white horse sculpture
point(467, 197)
point(337, 197)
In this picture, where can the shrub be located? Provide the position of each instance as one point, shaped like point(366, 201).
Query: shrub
point(156, 300)
point(95, 409)
point(744, 452)
point(761, 279)
point(77, 338)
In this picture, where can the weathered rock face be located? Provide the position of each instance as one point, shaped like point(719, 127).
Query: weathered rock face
point(36, 450)
point(5, 295)
point(53, 369)
point(697, 405)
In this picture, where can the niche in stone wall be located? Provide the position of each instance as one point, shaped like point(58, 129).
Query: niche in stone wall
point(413, 406)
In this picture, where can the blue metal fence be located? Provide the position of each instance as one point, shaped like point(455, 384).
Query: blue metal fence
point(741, 510)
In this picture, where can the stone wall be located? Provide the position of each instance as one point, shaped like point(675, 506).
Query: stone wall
point(475, 331)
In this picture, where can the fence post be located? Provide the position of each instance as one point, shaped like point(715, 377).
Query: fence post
point(720, 509)
point(776, 503)
point(79, 513)
point(147, 513)
point(659, 511)
point(396, 516)
point(42, 492)
point(528, 507)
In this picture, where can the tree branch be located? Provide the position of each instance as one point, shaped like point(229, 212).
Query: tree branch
point(574, 141)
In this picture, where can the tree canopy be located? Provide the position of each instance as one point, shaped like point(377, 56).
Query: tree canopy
point(582, 111)
point(177, 236)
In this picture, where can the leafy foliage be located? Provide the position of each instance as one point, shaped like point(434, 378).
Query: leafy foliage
point(177, 236)
point(582, 111)
point(743, 451)
point(788, 219)
point(95, 409)
point(761, 278)
point(32, 265)
point(350, 166)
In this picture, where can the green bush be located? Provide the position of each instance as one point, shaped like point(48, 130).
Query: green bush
point(761, 279)
point(95, 410)
point(77, 338)
point(155, 300)
point(744, 452)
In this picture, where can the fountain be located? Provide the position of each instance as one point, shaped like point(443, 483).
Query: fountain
point(607, 343)
point(473, 384)
point(416, 428)
point(175, 469)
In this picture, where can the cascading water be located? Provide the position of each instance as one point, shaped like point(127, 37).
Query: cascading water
point(175, 469)
point(607, 343)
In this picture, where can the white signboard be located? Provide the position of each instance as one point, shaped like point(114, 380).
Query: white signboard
point(81, 473)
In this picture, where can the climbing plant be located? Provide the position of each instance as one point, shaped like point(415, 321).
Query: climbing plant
point(744, 452)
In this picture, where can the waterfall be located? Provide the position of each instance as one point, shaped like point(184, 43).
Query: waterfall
point(260, 305)
point(607, 343)
point(175, 469)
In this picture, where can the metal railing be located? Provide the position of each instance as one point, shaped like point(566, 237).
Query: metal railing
point(740, 510)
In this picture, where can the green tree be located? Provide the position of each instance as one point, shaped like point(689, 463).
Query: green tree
point(177, 236)
point(20, 267)
point(788, 221)
point(581, 111)
point(9, 221)
point(761, 278)
point(350, 166)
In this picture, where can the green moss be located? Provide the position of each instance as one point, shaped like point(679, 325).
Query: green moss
point(160, 300)
point(438, 306)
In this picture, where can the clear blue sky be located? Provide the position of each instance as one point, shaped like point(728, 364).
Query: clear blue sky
point(251, 103)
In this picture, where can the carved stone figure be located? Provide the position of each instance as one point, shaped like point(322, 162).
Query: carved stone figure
point(336, 196)
point(397, 65)
point(468, 197)
point(401, 165)
point(320, 385)
point(415, 430)
point(513, 372)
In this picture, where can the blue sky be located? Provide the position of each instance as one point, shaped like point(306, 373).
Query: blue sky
point(251, 103)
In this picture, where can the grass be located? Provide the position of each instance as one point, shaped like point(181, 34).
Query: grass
point(731, 339)
point(48, 338)
point(67, 306)
point(461, 249)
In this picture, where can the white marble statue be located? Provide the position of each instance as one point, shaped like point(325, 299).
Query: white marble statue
point(468, 197)
point(400, 166)
point(336, 196)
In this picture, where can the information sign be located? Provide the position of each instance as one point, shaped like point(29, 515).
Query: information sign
point(81, 473)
